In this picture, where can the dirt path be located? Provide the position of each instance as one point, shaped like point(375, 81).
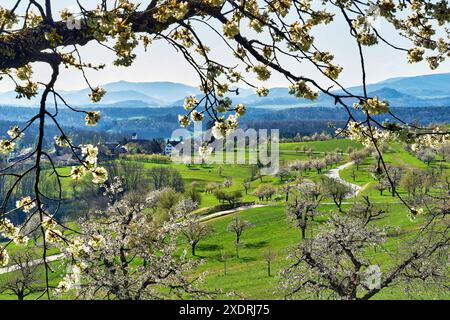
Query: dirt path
point(231, 211)
point(334, 174)
point(51, 258)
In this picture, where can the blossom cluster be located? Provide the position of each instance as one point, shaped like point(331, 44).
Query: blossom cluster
point(52, 234)
point(224, 127)
point(301, 90)
point(433, 140)
point(373, 106)
point(92, 117)
point(7, 145)
point(366, 135)
point(10, 231)
point(26, 204)
point(89, 164)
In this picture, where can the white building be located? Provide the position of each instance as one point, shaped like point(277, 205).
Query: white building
point(170, 146)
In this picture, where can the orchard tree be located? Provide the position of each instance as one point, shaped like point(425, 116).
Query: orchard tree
point(358, 157)
point(224, 256)
point(227, 183)
point(364, 209)
point(301, 211)
point(411, 181)
point(126, 254)
point(232, 197)
point(426, 156)
point(393, 176)
point(381, 186)
point(319, 165)
point(260, 39)
point(264, 191)
point(283, 173)
point(237, 225)
point(211, 187)
point(131, 173)
point(27, 279)
point(313, 191)
point(270, 256)
point(336, 190)
point(335, 264)
point(194, 230)
point(246, 184)
point(444, 153)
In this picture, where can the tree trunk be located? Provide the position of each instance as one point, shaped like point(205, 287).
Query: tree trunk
point(338, 204)
point(268, 268)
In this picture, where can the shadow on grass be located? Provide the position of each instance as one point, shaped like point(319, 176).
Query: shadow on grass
point(256, 245)
point(247, 259)
point(209, 247)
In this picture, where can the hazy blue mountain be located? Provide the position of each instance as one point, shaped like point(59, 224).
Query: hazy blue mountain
point(419, 91)
point(425, 90)
point(9, 98)
point(424, 86)
point(166, 92)
point(433, 90)
point(111, 97)
point(153, 93)
point(128, 104)
point(389, 93)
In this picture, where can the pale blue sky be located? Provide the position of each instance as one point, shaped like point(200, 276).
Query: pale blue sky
point(162, 63)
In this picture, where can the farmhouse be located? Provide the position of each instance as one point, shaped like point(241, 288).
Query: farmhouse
point(142, 146)
point(170, 146)
point(115, 149)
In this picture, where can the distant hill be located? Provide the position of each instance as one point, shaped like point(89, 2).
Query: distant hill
point(166, 92)
point(418, 91)
point(425, 86)
point(427, 90)
point(111, 97)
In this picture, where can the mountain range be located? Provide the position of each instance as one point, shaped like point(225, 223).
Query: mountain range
point(417, 91)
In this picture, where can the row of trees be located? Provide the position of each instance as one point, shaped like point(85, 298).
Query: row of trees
point(323, 136)
point(302, 166)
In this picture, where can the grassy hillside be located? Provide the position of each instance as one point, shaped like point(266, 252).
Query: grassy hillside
point(247, 275)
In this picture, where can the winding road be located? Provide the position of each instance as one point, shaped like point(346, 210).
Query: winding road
point(16, 267)
point(334, 174)
point(227, 212)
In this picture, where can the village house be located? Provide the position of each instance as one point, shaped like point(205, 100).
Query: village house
point(170, 146)
point(114, 149)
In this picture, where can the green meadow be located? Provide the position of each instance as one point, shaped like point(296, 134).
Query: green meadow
point(247, 274)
